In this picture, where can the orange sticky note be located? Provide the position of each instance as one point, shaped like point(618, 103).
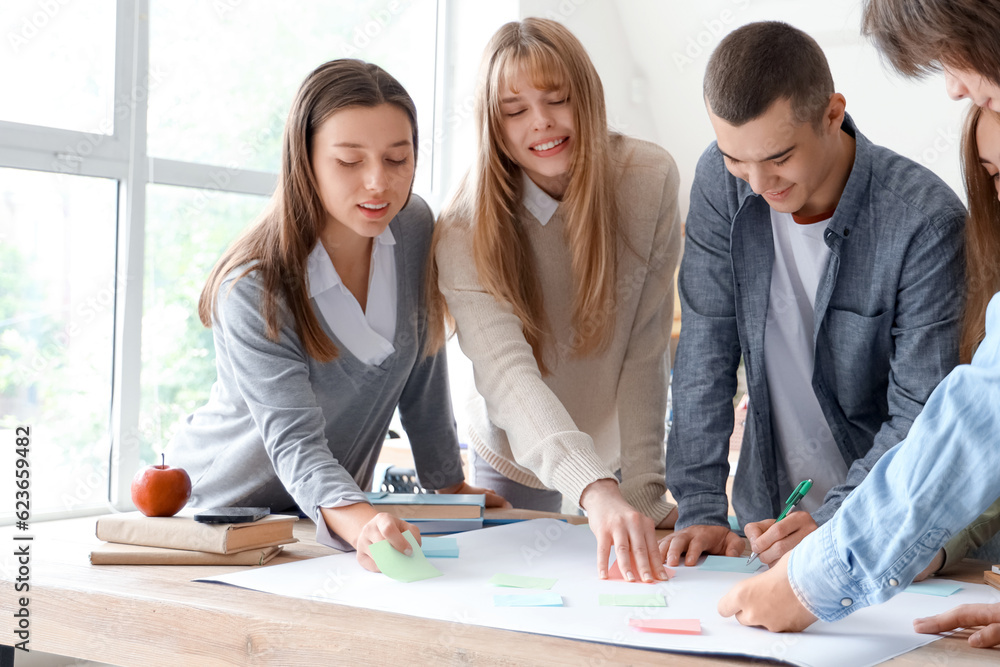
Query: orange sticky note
point(615, 574)
point(673, 626)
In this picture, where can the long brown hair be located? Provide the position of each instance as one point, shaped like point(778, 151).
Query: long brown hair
point(918, 36)
point(982, 236)
point(489, 197)
point(278, 244)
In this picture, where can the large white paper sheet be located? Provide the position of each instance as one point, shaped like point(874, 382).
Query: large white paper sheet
point(549, 548)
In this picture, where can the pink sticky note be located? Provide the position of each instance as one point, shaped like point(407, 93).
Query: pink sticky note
point(615, 574)
point(673, 626)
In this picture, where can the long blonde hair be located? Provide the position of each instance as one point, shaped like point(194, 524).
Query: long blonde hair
point(982, 237)
point(277, 246)
point(489, 197)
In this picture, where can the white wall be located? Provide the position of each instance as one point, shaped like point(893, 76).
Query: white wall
point(651, 55)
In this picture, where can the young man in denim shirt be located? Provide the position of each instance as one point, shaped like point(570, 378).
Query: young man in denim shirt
point(833, 266)
point(947, 470)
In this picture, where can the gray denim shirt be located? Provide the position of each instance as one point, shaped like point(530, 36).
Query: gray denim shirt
point(887, 314)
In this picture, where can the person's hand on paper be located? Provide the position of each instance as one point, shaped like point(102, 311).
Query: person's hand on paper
point(362, 525)
point(966, 616)
point(767, 600)
point(770, 540)
point(696, 540)
point(493, 499)
point(616, 524)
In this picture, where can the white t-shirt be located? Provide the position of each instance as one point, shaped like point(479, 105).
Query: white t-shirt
point(806, 446)
point(367, 334)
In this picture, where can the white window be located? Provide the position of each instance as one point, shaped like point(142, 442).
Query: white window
point(137, 138)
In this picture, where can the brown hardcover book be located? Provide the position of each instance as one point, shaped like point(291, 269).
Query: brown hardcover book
point(111, 553)
point(992, 578)
point(183, 532)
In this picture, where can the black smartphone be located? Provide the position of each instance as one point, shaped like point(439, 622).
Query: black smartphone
point(232, 514)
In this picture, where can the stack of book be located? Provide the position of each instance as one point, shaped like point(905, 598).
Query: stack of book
point(433, 513)
point(134, 539)
point(992, 577)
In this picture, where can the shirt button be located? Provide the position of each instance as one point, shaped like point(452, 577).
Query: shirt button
point(846, 602)
point(894, 582)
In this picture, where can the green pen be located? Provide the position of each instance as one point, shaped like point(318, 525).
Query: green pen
point(797, 495)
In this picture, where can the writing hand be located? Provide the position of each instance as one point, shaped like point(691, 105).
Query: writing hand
point(771, 540)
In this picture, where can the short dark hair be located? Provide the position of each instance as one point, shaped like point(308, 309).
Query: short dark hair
point(761, 63)
point(919, 36)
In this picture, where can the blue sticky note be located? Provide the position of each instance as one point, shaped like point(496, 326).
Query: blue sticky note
point(729, 564)
point(734, 525)
point(547, 599)
point(940, 588)
point(440, 547)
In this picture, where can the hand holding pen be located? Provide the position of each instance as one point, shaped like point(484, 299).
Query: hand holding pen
point(791, 535)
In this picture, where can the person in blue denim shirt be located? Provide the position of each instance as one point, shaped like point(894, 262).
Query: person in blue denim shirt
point(947, 470)
point(833, 266)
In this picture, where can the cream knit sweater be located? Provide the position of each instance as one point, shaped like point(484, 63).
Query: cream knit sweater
point(593, 415)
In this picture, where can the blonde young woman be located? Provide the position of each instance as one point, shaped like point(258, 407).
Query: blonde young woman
point(319, 324)
point(556, 260)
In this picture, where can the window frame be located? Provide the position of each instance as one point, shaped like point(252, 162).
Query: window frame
point(123, 156)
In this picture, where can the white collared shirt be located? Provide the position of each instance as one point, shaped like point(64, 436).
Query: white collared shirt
point(367, 334)
point(537, 201)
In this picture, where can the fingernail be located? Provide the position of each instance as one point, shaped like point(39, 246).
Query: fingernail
point(604, 574)
point(975, 641)
point(630, 576)
point(647, 578)
point(409, 551)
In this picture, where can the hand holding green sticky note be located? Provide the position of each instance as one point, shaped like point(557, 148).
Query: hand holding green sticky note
point(399, 566)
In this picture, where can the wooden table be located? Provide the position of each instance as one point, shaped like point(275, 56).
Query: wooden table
point(155, 615)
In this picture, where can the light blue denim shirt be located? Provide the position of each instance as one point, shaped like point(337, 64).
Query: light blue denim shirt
point(937, 480)
point(886, 327)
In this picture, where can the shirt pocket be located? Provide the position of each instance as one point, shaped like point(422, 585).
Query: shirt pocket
point(859, 349)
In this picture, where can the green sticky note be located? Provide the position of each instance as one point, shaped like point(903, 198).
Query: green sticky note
point(518, 581)
point(940, 588)
point(398, 565)
point(632, 600)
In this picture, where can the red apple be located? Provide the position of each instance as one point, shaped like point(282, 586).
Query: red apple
point(161, 490)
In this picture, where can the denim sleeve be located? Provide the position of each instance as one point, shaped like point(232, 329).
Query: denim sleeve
point(941, 477)
point(708, 354)
point(925, 337)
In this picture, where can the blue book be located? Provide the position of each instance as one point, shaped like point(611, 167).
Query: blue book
point(429, 505)
point(445, 526)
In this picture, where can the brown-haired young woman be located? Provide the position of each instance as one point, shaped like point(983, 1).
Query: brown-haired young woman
point(320, 325)
point(556, 259)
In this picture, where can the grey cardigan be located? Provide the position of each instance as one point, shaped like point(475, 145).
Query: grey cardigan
point(282, 430)
point(887, 315)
